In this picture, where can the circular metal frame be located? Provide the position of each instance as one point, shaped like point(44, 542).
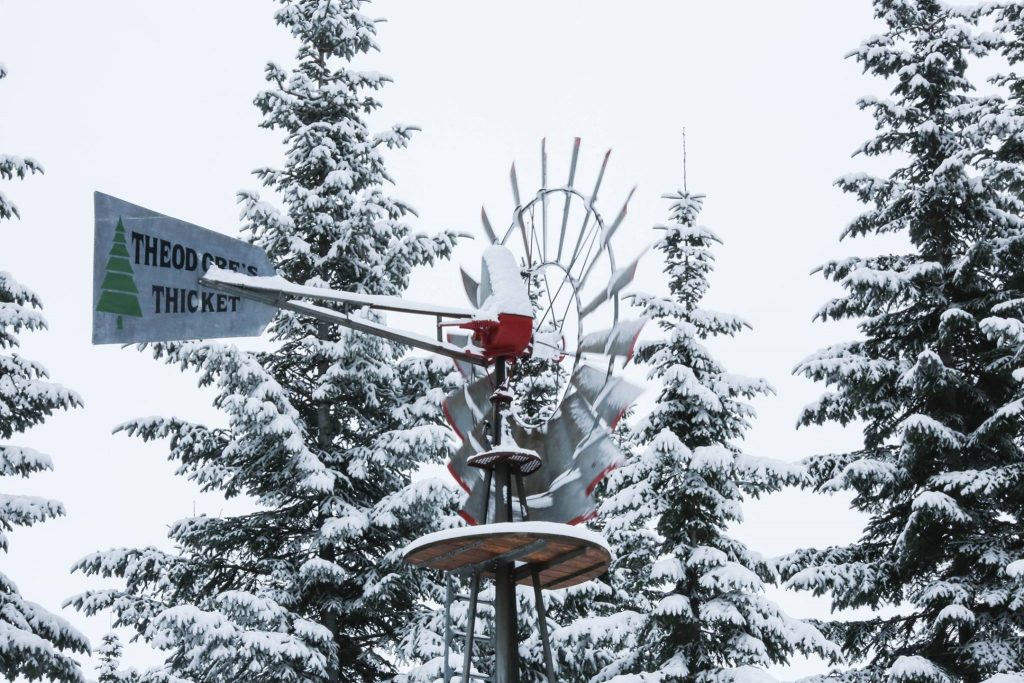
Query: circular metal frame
point(536, 259)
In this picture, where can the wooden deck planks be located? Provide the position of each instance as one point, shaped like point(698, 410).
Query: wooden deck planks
point(453, 554)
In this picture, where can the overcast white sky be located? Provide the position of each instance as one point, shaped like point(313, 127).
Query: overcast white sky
point(151, 102)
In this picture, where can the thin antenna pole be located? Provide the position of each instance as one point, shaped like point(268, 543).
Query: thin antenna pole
point(684, 160)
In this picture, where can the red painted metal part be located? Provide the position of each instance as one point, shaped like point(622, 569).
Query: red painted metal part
point(458, 480)
point(579, 519)
point(451, 420)
point(509, 336)
point(600, 476)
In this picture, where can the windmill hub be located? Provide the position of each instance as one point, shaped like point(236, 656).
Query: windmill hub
point(503, 326)
point(556, 302)
point(509, 336)
point(541, 379)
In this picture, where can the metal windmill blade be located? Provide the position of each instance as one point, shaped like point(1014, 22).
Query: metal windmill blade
point(565, 394)
point(468, 370)
point(471, 286)
point(571, 487)
point(466, 407)
point(557, 442)
point(458, 466)
point(617, 341)
point(609, 397)
point(568, 499)
point(577, 452)
point(620, 280)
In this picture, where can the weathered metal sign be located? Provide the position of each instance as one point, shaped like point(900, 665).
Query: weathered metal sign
point(146, 270)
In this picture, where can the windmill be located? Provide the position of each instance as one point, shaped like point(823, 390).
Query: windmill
point(538, 346)
point(536, 423)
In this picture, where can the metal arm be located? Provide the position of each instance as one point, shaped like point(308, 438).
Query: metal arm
point(279, 290)
point(278, 298)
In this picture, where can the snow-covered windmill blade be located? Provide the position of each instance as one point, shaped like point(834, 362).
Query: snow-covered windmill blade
point(467, 406)
point(458, 465)
point(478, 508)
point(598, 456)
point(568, 498)
point(577, 453)
point(620, 279)
point(471, 286)
point(609, 397)
point(617, 341)
point(568, 492)
point(556, 444)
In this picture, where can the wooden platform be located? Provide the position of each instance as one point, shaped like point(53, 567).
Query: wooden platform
point(563, 555)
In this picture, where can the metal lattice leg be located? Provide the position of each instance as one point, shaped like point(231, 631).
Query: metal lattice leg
point(447, 670)
point(467, 654)
point(542, 619)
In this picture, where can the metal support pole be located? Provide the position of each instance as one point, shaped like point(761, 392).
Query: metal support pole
point(506, 640)
point(488, 477)
point(502, 491)
point(447, 670)
point(467, 654)
point(522, 497)
point(506, 637)
point(542, 619)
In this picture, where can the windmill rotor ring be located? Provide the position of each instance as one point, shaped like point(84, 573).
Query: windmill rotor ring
point(563, 396)
point(559, 261)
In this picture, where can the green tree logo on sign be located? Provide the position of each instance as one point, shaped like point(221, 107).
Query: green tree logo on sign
point(120, 295)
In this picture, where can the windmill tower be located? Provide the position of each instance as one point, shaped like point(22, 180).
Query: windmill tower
point(536, 420)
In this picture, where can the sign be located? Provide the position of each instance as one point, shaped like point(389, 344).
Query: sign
point(146, 270)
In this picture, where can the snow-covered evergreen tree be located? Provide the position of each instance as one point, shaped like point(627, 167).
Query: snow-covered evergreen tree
point(934, 378)
point(33, 642)
point(689, 602)
point(109, 670)
point(324, 431)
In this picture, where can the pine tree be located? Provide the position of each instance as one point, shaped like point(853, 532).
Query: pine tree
point(689, 602)
point(324, 431)
point(933, 378)
point(998, 140)
point(33, 642)
point(119, 293)
point(109, 670)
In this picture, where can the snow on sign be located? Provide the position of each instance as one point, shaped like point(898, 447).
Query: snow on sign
point(146, 270)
